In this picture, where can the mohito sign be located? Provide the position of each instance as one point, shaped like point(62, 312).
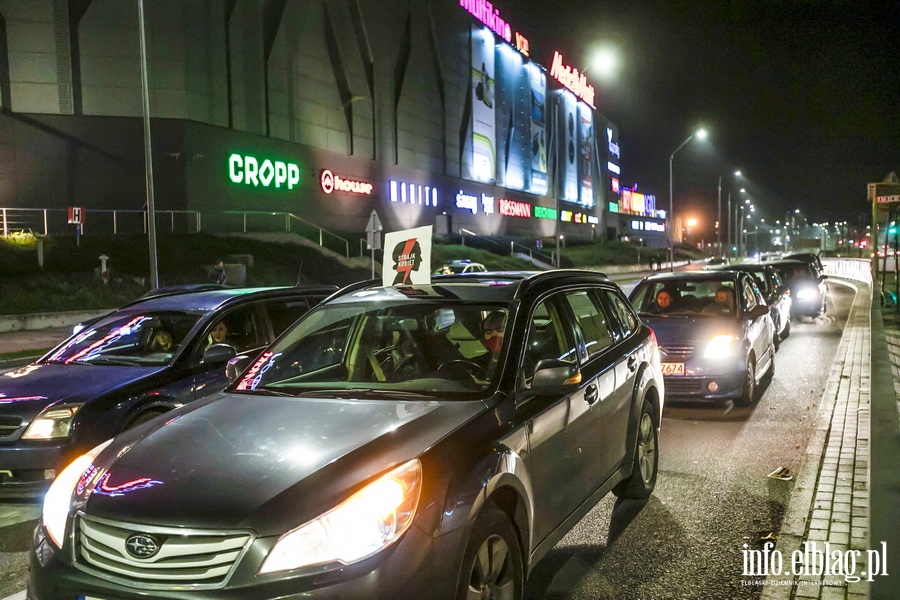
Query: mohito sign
point(330, 183)
point(266, 173)
point(575, 81)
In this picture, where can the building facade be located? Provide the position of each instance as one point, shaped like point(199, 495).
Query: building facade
point(432, 112)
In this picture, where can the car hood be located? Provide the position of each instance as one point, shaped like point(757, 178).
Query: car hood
point(262, 462)
point(671, 329)
point(26, 391)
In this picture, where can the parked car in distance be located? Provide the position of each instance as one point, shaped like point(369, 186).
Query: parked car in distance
point(807, 285)
point(460, 266)
point(810, 257)
point(424, 441)
point(777, 296)
point(133, 364)
point(715, 333)
point(717, 262)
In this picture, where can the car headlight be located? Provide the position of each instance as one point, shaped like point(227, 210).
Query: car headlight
point(365, 523)
point(54, 422)
point(807, 293)
point(721, 346)
point(58, 500)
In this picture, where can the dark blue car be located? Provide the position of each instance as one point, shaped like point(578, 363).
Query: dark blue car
point(715, 332)
point(128, 367)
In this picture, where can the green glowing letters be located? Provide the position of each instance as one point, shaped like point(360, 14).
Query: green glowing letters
point(267, 173)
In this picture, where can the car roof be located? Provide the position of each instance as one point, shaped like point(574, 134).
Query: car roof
point(490, 286)
point(214, 299)
point(692, 275)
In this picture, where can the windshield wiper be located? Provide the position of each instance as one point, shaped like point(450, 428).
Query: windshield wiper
point(125, 362)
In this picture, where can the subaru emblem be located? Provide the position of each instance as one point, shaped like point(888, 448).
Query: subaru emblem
point(141, 545)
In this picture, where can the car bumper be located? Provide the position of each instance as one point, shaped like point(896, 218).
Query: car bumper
point(418, 566)
point(27, 469)
point(808, 308)
point(705, 387)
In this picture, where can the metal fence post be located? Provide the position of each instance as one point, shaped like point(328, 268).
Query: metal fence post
point(115, 224)
point(45, 222)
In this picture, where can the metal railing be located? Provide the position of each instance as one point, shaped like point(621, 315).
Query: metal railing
point(45, 220)
point(533, 254)
point(257, 221)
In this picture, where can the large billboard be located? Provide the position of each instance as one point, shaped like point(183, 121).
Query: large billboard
point(538, 80)
point(567, 146)
point(586, 154)
point(484, 158)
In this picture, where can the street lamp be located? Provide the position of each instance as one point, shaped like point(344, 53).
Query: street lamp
point(701, 135)
point(719, 215)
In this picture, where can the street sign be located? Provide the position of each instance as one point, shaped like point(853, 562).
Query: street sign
point(373, 228)
point(76, 215)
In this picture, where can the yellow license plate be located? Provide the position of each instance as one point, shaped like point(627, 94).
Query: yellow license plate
point(672, 368)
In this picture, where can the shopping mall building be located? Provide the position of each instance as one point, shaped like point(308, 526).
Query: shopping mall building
point(432, 112)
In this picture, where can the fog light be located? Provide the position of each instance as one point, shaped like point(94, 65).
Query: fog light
point(49, 473)
point(712, 386)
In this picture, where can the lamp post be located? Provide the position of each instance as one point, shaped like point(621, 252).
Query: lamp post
point(719, 215)
point(701, 134)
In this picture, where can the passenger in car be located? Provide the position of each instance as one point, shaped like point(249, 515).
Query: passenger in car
point(723, 303)
point(163, 342)
point(664, 299)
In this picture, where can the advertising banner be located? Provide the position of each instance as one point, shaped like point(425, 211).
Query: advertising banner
point(538, 129)
point(567, 147)
point(407, 257)
point(586, 153)
point(484, 159)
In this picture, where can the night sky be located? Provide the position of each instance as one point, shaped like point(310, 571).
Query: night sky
point(803, 96)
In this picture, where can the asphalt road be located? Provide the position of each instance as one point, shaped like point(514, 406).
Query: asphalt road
point(713, 494)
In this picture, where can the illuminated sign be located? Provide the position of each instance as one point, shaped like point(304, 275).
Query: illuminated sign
point(412, 193)
point(614, 184)
point(485, 12)
point(565, 216)
point(613, 147)
point(572, 79)
point(593, 219)
point(469, 202)
point(612, 167)
point(612, 207)
point(334, 183)
point(250, 170)
point(542, 212)
point(522, 44)
point(512, 208)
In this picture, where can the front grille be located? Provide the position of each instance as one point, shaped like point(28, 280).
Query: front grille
point(9, 426)
point(186, 558)
point(677, 352)
point(676, 386)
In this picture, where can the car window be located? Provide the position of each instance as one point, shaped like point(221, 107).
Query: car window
point(591, 320)
point(144, 338)
point(628, 321)
point(546, 339)
point(283, 313)
point(239, 328)
point(750, 300)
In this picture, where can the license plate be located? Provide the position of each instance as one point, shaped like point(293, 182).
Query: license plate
point(672, 368)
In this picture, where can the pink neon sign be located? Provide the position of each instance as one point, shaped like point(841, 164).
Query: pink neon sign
point(485, 12)
point(572, 79)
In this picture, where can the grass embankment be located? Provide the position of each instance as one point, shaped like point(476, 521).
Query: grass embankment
point(70, 279)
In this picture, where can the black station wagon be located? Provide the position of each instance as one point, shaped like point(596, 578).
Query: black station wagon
point(425, 441)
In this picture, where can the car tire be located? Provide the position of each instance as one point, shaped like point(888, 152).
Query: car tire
point(642, 480)
point(492, 565)
point(748, 390)
point(787, 330)
point(770, 372)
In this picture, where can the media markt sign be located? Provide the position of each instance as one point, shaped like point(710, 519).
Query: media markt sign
point(262, 172)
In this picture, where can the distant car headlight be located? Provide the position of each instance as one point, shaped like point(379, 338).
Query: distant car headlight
point(367, 522)
point(721, 346)
point(58, 500)
point(54, 422)
point(807, 294)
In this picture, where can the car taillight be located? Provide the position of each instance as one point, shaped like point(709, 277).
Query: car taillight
point(653, 338)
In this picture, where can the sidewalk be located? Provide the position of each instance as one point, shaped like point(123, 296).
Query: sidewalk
point(846, 491)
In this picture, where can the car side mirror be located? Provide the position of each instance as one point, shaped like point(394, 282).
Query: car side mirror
point(236, 366)
point(552, 374)
point(218, 354)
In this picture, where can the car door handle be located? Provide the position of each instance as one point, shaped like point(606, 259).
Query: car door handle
point(591, 394)
point(632, 363)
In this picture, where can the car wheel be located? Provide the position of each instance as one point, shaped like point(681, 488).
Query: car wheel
point(770, 372)
point(492, 566)
point(144, 417)
point(748, 391)
point(642, 480)
point(787, 330)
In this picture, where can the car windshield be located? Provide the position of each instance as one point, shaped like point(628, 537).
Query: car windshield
point(794, 271)
point(370, 349)
point(133, 339)
point(701, 297)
